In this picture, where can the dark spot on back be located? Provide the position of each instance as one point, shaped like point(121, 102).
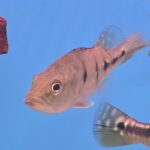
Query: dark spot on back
point(120, 125)
point(106, 65)
point(84, 76)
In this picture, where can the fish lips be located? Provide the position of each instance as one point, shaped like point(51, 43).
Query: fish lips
point(33, 102)
point(39, 105)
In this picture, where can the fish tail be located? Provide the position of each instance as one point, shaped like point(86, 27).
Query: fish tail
point(128, 47)
point(109, 126)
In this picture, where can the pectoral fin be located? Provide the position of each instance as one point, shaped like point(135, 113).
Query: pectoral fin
point(83, 104)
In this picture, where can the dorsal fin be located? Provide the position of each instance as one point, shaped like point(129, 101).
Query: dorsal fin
point(109, 37)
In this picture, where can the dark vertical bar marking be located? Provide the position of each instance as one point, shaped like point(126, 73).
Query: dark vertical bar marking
point(123, 53)
point(84, 76)
point(106, 65)
point(97, 70)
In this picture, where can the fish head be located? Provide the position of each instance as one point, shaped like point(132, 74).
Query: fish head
point(51, 91)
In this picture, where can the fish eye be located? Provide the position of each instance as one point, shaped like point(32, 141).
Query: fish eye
point(56, 88)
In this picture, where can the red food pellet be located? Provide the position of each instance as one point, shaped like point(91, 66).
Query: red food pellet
point(3, 36)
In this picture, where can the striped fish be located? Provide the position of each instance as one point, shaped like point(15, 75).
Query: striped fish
point(71, 79)
point(112, 127)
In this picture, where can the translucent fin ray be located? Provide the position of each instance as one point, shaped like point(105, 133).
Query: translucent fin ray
point(110, 37)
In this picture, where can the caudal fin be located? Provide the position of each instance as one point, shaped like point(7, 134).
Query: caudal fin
point(108, 126)
point(127, 48)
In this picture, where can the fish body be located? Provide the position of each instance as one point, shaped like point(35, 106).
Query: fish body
point(112, 127)
point(3, 36)
point(72, 78)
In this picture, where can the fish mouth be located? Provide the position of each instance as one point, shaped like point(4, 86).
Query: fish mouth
point(29, 102)
point(39, 104)
point(33, 101)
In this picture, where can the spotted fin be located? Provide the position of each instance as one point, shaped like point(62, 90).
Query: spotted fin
point(108, 126)
point(109, 37)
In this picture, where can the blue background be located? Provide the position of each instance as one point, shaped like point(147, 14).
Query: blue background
point(41, 31)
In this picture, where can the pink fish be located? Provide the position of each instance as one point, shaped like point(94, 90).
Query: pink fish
point(112, 127)
point(71, 79)
point(3, 36)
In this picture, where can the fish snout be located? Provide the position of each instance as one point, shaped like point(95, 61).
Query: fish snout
point(29, 102)
point(33, 102)
point(38, 104)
